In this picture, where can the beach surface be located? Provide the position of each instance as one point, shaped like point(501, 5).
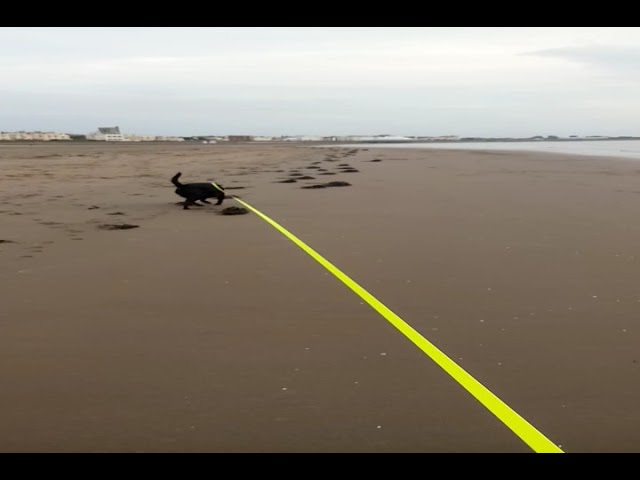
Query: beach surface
point(200, 332)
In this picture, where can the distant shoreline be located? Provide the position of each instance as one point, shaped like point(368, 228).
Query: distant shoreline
point(321, 142)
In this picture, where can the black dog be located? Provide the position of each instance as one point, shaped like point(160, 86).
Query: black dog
point(193, 192)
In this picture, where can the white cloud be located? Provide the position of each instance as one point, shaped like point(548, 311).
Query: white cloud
point(613, 58)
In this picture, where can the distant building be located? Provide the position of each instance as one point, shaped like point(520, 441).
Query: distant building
point(240, 138)
point(304, 138)
point(264, 139)
point(107, 134)
point(137, 138)
point(165, 138)
point(35, 136)
point(372, 138)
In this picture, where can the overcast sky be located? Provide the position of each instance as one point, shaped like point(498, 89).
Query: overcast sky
point(467, 81)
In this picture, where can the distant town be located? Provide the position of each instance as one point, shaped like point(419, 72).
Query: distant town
point(113, 134)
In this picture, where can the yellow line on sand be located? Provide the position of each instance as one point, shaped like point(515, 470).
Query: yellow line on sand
point(523, 429)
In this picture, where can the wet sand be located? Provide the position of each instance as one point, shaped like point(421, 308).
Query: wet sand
point(197, 332)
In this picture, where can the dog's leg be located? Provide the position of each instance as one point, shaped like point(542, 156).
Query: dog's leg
point(220, 199)
point(189, 201)
point(204, 200)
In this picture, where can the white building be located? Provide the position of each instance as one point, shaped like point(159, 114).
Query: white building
point(36, 136)
point(138, 138)
point(166, 138)
point(263, 138)
point(303, 138)
point(372, 138)
point(107, 134)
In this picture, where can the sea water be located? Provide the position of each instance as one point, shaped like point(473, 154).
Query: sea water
point(600, 148)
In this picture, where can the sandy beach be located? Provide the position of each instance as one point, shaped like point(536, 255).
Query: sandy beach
point(199, 332)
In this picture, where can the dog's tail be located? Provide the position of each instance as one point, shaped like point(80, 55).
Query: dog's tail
point(175, 178)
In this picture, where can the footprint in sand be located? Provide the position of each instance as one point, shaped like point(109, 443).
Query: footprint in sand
point(338, 184)
point(326, 185)
point(117, 226)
